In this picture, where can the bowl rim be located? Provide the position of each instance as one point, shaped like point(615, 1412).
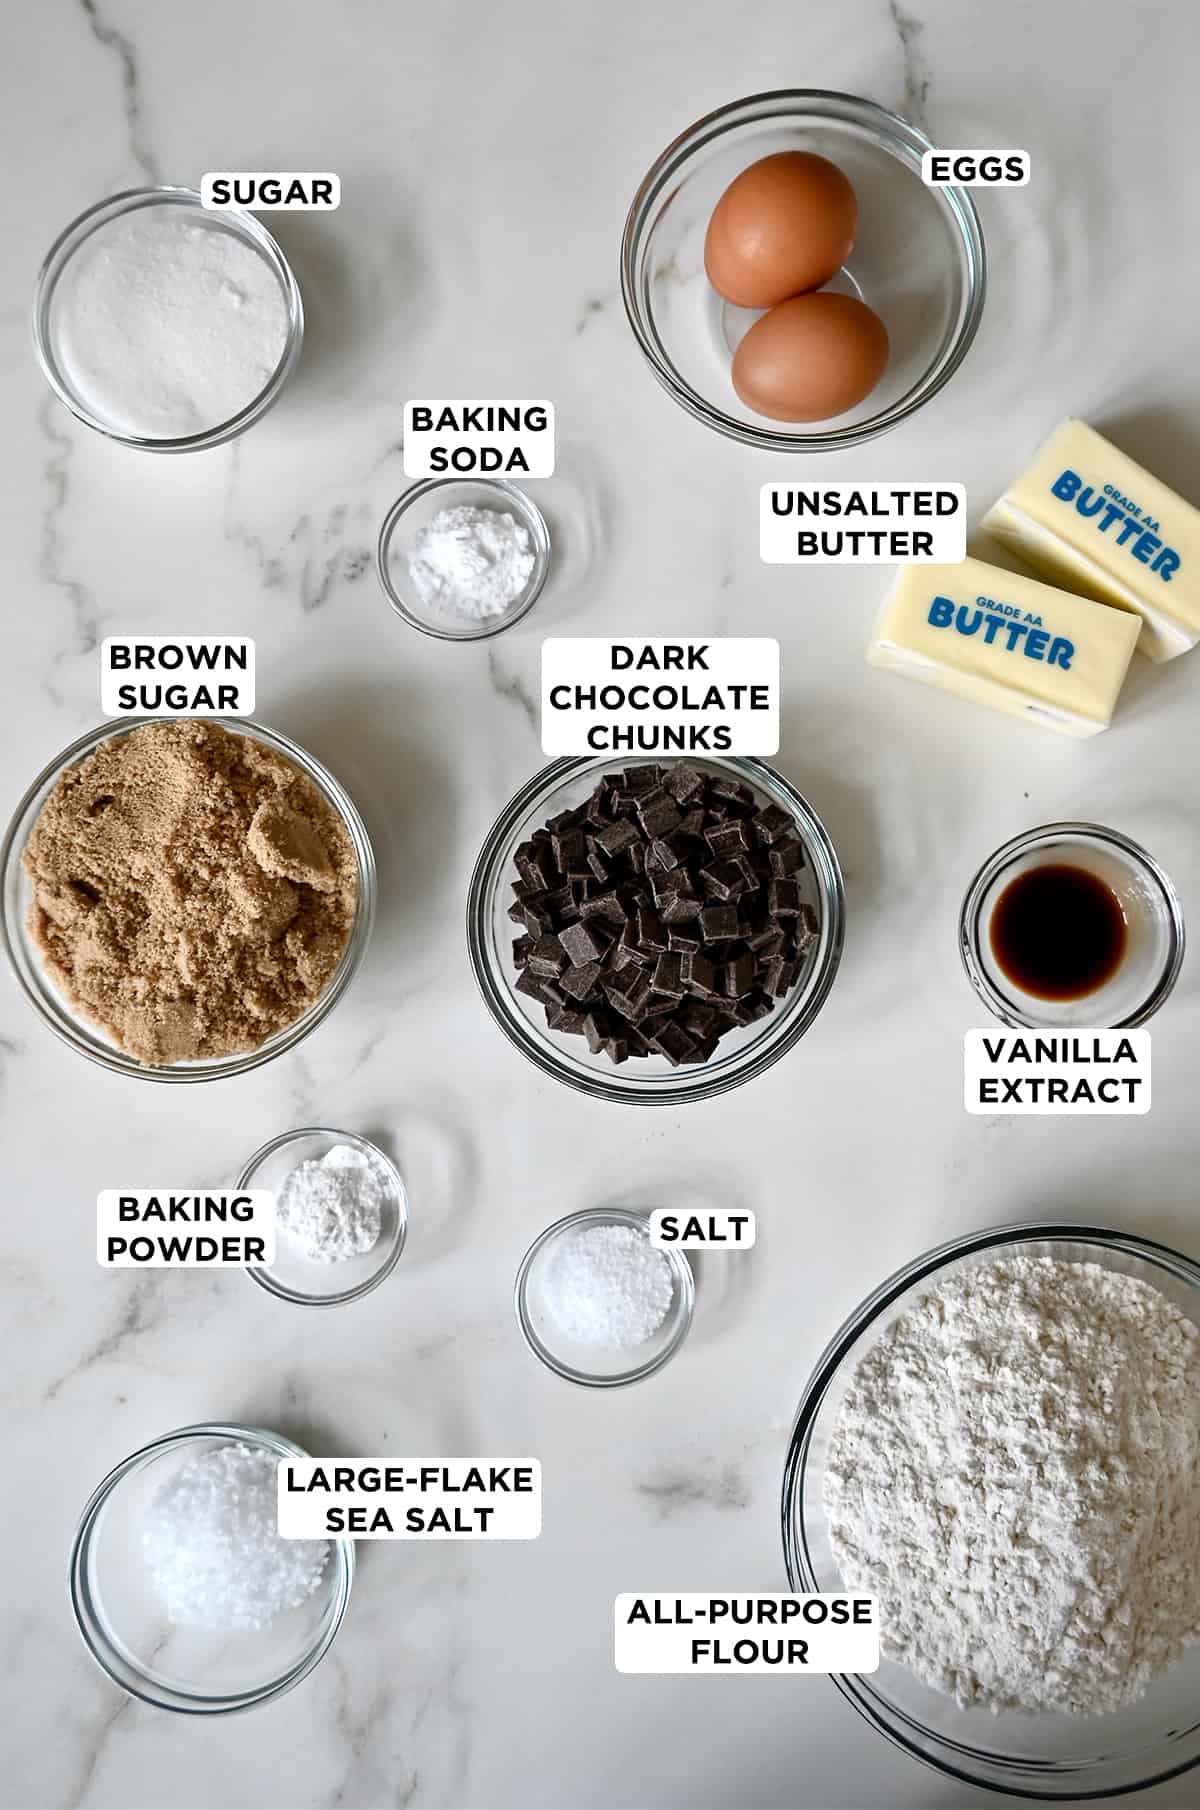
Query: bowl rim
point(701, 1082)
point(639, 1220)
point(65, 1028)
point(261, 1273)
point(250, 229)
point(91, 1627)
point(800, 1573)
point(712, 125)
point(971, 928)
point(532, 518)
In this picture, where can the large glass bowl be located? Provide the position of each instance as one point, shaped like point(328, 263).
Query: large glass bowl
point(80, 1032)
point(918, 261)
point(123, 1624)
point(1052, 1757)
point(47, 327)
point(649, 1080)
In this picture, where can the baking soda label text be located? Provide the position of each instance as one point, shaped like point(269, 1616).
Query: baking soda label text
point(495, 439)
point(283, 191)
point(715, 1229)
point(410, 1498)
point(862, 524)
point(703, 1633)
point(1026, 1073)
point(975, 169)
point(657, 696)
point(165, 1228)
point(177, 675)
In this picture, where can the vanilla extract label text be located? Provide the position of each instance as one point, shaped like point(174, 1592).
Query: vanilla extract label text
point(1035, 1073)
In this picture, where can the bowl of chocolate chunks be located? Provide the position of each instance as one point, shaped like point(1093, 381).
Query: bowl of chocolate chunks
point(655, 931)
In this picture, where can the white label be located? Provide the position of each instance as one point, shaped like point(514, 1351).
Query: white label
point(283, 191)
point(715, 1229)
point(497, 439)
point(862, 524)
point(700, 1632)
point(177, 675)
point(167, 1228)
point(658, 696)
point(1036, 1072)
point(975, 169)
point(410, 1498)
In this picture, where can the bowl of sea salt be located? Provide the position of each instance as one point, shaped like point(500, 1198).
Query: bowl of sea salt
point(164, 325)
point(598, 1303)
point(341, 1215)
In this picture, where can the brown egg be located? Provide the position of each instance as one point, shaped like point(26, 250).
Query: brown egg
point(786, 224)
point(811, 357)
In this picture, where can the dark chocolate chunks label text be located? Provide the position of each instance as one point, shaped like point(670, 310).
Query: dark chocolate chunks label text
point(653, 695)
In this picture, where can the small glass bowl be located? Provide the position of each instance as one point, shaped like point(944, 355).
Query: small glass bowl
point(86, 1037)
point(242, 225)
point(649, 1080)
point(292, 1276)
point(414, 510)
point(918, 261)
point(1048, 1756)
point(599, 1366)
point(123, 1624)
point(1153, 915)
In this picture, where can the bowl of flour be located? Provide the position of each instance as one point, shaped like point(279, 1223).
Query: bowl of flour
point(164, 325)
point(1002, 1446)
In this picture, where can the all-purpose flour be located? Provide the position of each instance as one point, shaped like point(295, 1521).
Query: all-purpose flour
point(1015, 1473)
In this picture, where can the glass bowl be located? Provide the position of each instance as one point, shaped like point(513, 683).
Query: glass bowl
point(48, 325)
point(918, 261)
point(123, 1624)
point(80, 1032)
point(1048, 1756)
point(1153, 916)
point(414, 510)
point(599, 1366)
point(650, 1080)
point(293, 1276)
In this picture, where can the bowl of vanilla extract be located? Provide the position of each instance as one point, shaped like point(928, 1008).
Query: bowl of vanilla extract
point(1071, 925)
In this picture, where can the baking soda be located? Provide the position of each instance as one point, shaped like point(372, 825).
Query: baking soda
point(471, 562)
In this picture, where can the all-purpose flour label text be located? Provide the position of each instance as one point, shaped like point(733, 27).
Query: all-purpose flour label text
point(410, 1498)
point(725, 1634)
point(1037, 1072)
point(652, 695)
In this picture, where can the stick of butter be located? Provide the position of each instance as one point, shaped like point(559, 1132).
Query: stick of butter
point(1008, 642)
point(1087, 516)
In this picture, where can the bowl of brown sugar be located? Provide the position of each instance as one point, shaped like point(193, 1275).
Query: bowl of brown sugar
point(183, 898)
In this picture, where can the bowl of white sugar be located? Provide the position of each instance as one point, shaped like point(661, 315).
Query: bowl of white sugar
point(165, 325)
point(184, 1591)
point(1002, 1447)
point(598, 1303)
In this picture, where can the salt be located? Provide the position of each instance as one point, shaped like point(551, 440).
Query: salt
point(212, 1547)
point(168, 325)
point(333, 1205)
point(607, 1285)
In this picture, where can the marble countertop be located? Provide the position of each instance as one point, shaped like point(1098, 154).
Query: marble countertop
point(487, 156)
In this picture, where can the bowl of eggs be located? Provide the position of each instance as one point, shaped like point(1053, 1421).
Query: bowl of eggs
point(792, 280)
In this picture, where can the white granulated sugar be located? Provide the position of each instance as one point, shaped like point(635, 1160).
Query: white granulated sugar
point(333, 1205)
point(471, 562)
point(168, 325)
point(1015, 1473)
point(212, 1547)
point(607, 1285)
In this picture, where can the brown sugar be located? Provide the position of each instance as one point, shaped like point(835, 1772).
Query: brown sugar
point(193, 890)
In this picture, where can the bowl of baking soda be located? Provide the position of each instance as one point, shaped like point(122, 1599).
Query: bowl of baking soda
point(183, 1590)
point(165, 325)
point(598, 1303)
point(341, 1215)
point(463, 558)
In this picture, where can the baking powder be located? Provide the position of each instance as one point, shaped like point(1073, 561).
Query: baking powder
point(333, 1205)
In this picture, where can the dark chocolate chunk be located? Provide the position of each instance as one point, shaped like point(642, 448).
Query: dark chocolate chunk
point(786, 857)
point(683, 781)
point(618, 836)
point(582, 944)
point(681, 939)
point(783, 899)
point(779, 977)
point(699, 974)
point(717, 922)
point(616, 1049)
point(771, 823)
point(651, 934)
point(547, 956)
point(580, 980)
point(521, 947)
point(724, 881)
point(737, 976)
point(658, 814)
point(668, 975)
point(673, 1042)
point(562, 1018)
point(726, 839)
point(680, 909)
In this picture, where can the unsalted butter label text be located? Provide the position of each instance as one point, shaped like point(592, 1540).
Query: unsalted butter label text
point(862, 524)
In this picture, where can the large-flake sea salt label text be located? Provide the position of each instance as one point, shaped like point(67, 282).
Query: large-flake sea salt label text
point(410, 1498)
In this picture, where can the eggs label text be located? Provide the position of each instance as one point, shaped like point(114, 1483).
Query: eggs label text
point(877, 524)
point(727, 1634)
point(1024, 1073)
point(975, 169)
point(478, 439)
point(651, 695)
